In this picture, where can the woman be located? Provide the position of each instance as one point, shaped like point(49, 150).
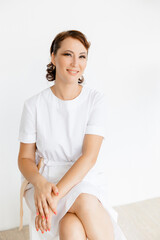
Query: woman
point(65, 126)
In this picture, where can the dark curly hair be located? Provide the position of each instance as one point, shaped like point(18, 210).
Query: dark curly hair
point(56, 44)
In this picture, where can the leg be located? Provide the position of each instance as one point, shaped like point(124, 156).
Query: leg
point(71, 228)
point(95, 219)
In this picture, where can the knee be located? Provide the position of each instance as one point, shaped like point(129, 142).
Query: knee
point(64, 225)
point(68, 226)
point(87, 202)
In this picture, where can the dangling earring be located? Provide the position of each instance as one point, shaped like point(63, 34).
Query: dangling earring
point(81, 78)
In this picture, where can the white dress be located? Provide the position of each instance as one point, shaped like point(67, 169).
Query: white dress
point(58, 127)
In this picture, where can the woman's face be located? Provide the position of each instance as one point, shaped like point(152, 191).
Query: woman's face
point(70, 60)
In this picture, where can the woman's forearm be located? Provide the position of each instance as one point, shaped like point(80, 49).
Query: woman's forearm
point(30, 171)
point(74, 175)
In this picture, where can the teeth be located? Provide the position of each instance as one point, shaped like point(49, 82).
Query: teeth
point(72, 71)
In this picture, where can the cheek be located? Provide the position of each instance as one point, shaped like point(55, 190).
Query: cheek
point(63, 62)
point(84, 65)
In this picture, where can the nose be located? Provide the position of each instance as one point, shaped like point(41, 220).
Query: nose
point(74, 61)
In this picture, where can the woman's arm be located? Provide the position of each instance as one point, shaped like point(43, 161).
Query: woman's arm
point(27, 165)
point(80, 168)
point(43, 188)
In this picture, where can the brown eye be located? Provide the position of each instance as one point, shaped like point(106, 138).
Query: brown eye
point(83, 56)
point(67, 54)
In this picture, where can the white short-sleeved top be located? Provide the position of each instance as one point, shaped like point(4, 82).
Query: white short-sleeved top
point(58, 126)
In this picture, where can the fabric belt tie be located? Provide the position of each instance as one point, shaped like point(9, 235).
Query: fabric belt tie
point(51, 163)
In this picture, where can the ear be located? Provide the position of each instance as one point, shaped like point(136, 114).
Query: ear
point(53, 58)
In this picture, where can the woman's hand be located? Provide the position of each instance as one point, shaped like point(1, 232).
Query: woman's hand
point(43, 197)
point(43, 224)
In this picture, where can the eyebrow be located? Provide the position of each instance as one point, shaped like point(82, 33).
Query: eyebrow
point(72, 51)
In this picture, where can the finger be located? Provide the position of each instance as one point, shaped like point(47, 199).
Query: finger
point(49, 220)
point(36, 206)
point(40, 209)
point(44, 225)
point(37, 211)
point(49, 224)
point(36, 223)
point(49, 200)
point(40, 224)
point(45, 209)
point(55, 190)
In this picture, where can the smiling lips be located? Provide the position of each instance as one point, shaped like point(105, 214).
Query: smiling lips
point(72, 72)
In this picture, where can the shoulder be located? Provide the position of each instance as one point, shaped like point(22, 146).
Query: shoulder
point(32, 101)
point(95, 94)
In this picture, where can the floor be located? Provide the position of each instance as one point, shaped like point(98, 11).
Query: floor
point(139, 221)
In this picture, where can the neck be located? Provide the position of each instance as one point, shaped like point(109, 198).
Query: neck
point(67, 91)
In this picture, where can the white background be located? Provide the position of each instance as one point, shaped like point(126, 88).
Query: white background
point(124, 62)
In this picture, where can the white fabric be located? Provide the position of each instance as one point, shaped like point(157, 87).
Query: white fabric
point(58, 128)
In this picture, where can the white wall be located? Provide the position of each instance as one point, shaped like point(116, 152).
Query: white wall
point(123, 62)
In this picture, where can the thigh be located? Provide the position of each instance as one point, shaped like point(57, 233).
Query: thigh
point(70, 227)
point(85, 202)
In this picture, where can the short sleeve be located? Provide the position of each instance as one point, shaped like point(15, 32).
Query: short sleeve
point(97, 118)
point(27, 128)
